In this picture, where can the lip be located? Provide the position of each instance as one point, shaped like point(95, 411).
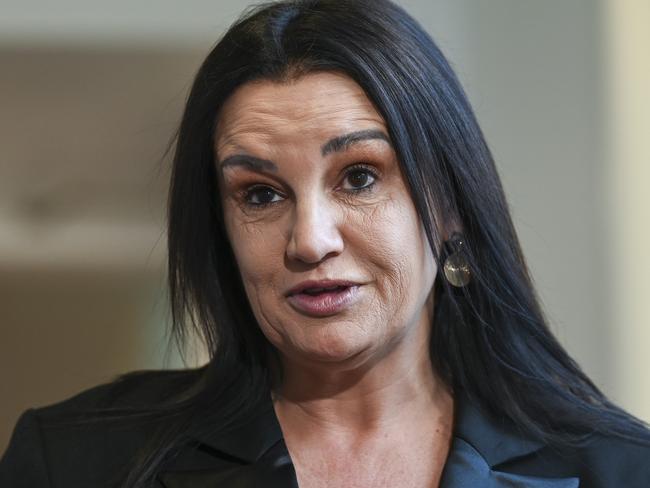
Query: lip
point(298, 289)
point(327, 303)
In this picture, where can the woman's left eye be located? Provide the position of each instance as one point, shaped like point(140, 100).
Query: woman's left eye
point(359, 178)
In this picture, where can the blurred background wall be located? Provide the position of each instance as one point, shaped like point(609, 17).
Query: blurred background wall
point(91, 92)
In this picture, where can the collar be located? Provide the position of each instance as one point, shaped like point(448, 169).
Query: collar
point(496, 440)
point(248, 441)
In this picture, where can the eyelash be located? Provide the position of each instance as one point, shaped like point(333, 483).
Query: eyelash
point(352, 169)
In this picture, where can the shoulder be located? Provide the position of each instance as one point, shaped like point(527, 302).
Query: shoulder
point(600, 462)
point(87, 440)
point(23, 464)
point(609, 461)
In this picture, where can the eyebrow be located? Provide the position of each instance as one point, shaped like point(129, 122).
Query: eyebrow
point(336, 144)
point(343, 142)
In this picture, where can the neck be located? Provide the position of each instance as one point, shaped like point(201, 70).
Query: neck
point(367, 397)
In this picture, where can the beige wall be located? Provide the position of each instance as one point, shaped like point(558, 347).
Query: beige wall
point(627, 80)
point(65, 330)
point(83, 185)
point(558, 86)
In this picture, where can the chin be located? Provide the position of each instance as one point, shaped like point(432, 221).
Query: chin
point(336, 349)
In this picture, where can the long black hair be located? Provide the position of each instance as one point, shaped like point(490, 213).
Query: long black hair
point(489, 339)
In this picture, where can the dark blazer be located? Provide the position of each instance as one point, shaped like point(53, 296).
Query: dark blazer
point(44, 452)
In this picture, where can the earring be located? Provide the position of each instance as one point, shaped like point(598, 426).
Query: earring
point(455, 266)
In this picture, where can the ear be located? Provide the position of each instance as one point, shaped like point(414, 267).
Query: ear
point(451, 225)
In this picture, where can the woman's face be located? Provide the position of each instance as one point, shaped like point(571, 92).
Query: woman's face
point(311, 191)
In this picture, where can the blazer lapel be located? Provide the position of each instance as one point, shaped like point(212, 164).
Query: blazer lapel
point(256, 454)
point(481, 444)
point(272, 470)
point(467, 467)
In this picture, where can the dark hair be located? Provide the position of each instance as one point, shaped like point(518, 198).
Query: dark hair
point(490, 339)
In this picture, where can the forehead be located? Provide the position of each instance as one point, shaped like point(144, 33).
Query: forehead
point(315, 106)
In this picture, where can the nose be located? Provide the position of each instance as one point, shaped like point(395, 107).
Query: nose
point(315, 232)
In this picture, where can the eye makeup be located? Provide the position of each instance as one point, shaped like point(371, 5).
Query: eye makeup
point(261, 196)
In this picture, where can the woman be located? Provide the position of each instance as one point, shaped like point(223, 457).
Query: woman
point(339, 235)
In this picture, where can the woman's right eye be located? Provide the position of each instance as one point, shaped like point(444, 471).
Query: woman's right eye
point(261, 196)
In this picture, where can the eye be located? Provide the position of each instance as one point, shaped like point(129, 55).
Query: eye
point(359, 177)
point(261, 196)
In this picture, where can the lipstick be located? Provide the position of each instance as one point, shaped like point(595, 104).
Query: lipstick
point(324, 302)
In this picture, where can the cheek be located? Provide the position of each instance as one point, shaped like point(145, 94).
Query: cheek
point(258, 252)
point(394, 241)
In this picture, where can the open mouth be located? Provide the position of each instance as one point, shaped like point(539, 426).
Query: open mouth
point(321, 291)
point(323, 302)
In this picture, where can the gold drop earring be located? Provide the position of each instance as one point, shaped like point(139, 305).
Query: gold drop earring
point(455, 266)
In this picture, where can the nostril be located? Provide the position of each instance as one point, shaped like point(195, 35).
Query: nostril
point(311, 250)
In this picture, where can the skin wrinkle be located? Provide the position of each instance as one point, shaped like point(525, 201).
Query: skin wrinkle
point(359, 382)
point(373, 214)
